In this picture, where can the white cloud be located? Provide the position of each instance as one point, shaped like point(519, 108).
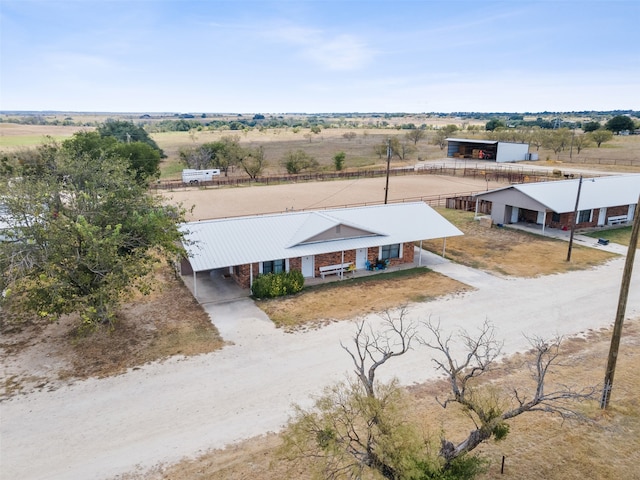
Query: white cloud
point(333, 52)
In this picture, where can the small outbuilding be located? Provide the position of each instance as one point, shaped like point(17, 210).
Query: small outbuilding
point(317, 243)
point(493, 150)
point(602, 201)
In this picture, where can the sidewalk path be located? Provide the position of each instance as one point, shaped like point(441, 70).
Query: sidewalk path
point(100, 428)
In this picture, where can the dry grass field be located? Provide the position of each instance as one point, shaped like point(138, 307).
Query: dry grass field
point(611, 156)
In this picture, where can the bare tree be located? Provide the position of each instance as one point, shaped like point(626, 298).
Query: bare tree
point(488, 417)
point(360, 425)
point(373, 348)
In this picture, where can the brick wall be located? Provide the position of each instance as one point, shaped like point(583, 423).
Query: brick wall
point(241, 273)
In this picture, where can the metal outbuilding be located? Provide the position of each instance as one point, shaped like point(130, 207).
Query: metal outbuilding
point(493, 150)
point(602, 201)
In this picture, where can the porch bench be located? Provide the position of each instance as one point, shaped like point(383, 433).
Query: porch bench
point(334, 269)
point(617, 220)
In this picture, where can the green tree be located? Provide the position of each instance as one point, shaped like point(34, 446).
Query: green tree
point(442, 134)
point(581, 142)
point(143, 160)
point(82, 237)
point(298, 161)
point(558, 139)
point(493, 124)
point(619, 123)
point(416, 135)
point(127, 132)
point(338, 160)
point(591, 126)
point(253, 162)
point(600, 136)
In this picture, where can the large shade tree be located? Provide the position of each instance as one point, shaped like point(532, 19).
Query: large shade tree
point(620, 123)
point(80, 234)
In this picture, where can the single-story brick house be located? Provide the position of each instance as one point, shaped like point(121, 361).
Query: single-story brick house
point(311, 241)
point(603, 201)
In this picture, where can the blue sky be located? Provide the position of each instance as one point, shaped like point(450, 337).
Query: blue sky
point(319, 55)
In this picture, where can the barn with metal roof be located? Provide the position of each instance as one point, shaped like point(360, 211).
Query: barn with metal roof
point(601, 201)
point(311, 241)
point(492, 150)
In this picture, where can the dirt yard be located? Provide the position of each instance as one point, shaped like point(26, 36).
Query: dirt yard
point(44, 356)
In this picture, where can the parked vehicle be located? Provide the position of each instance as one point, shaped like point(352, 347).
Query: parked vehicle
point(193, 176)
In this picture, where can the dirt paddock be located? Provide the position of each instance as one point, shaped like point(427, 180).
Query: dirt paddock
point(214, 202)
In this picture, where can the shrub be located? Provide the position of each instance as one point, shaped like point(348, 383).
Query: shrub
point(277, 284)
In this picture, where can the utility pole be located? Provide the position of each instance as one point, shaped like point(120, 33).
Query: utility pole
point(622, 307)
point(386, 188)
point(575, 219)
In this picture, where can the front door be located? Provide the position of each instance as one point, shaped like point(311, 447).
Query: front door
point(602, 216)
point(361, 258)
point(308, 266)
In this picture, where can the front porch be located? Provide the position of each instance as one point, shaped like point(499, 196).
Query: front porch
point(217, 286)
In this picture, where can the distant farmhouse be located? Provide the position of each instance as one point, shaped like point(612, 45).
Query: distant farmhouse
point(317, 243)
point(493, 150)
point(603, 201)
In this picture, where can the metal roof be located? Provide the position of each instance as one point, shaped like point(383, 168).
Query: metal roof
point(468, 140)
point(242, 240)
point(560, 196)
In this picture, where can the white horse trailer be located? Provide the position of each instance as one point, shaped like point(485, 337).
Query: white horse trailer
point(192, 176)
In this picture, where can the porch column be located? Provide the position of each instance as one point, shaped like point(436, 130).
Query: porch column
point(342, 269)
point(250, 275)
point(476, 214)
point(420, 255)
point(195, 284)
point(444, 245)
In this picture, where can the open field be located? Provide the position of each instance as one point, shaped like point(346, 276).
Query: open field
point(611, 156)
